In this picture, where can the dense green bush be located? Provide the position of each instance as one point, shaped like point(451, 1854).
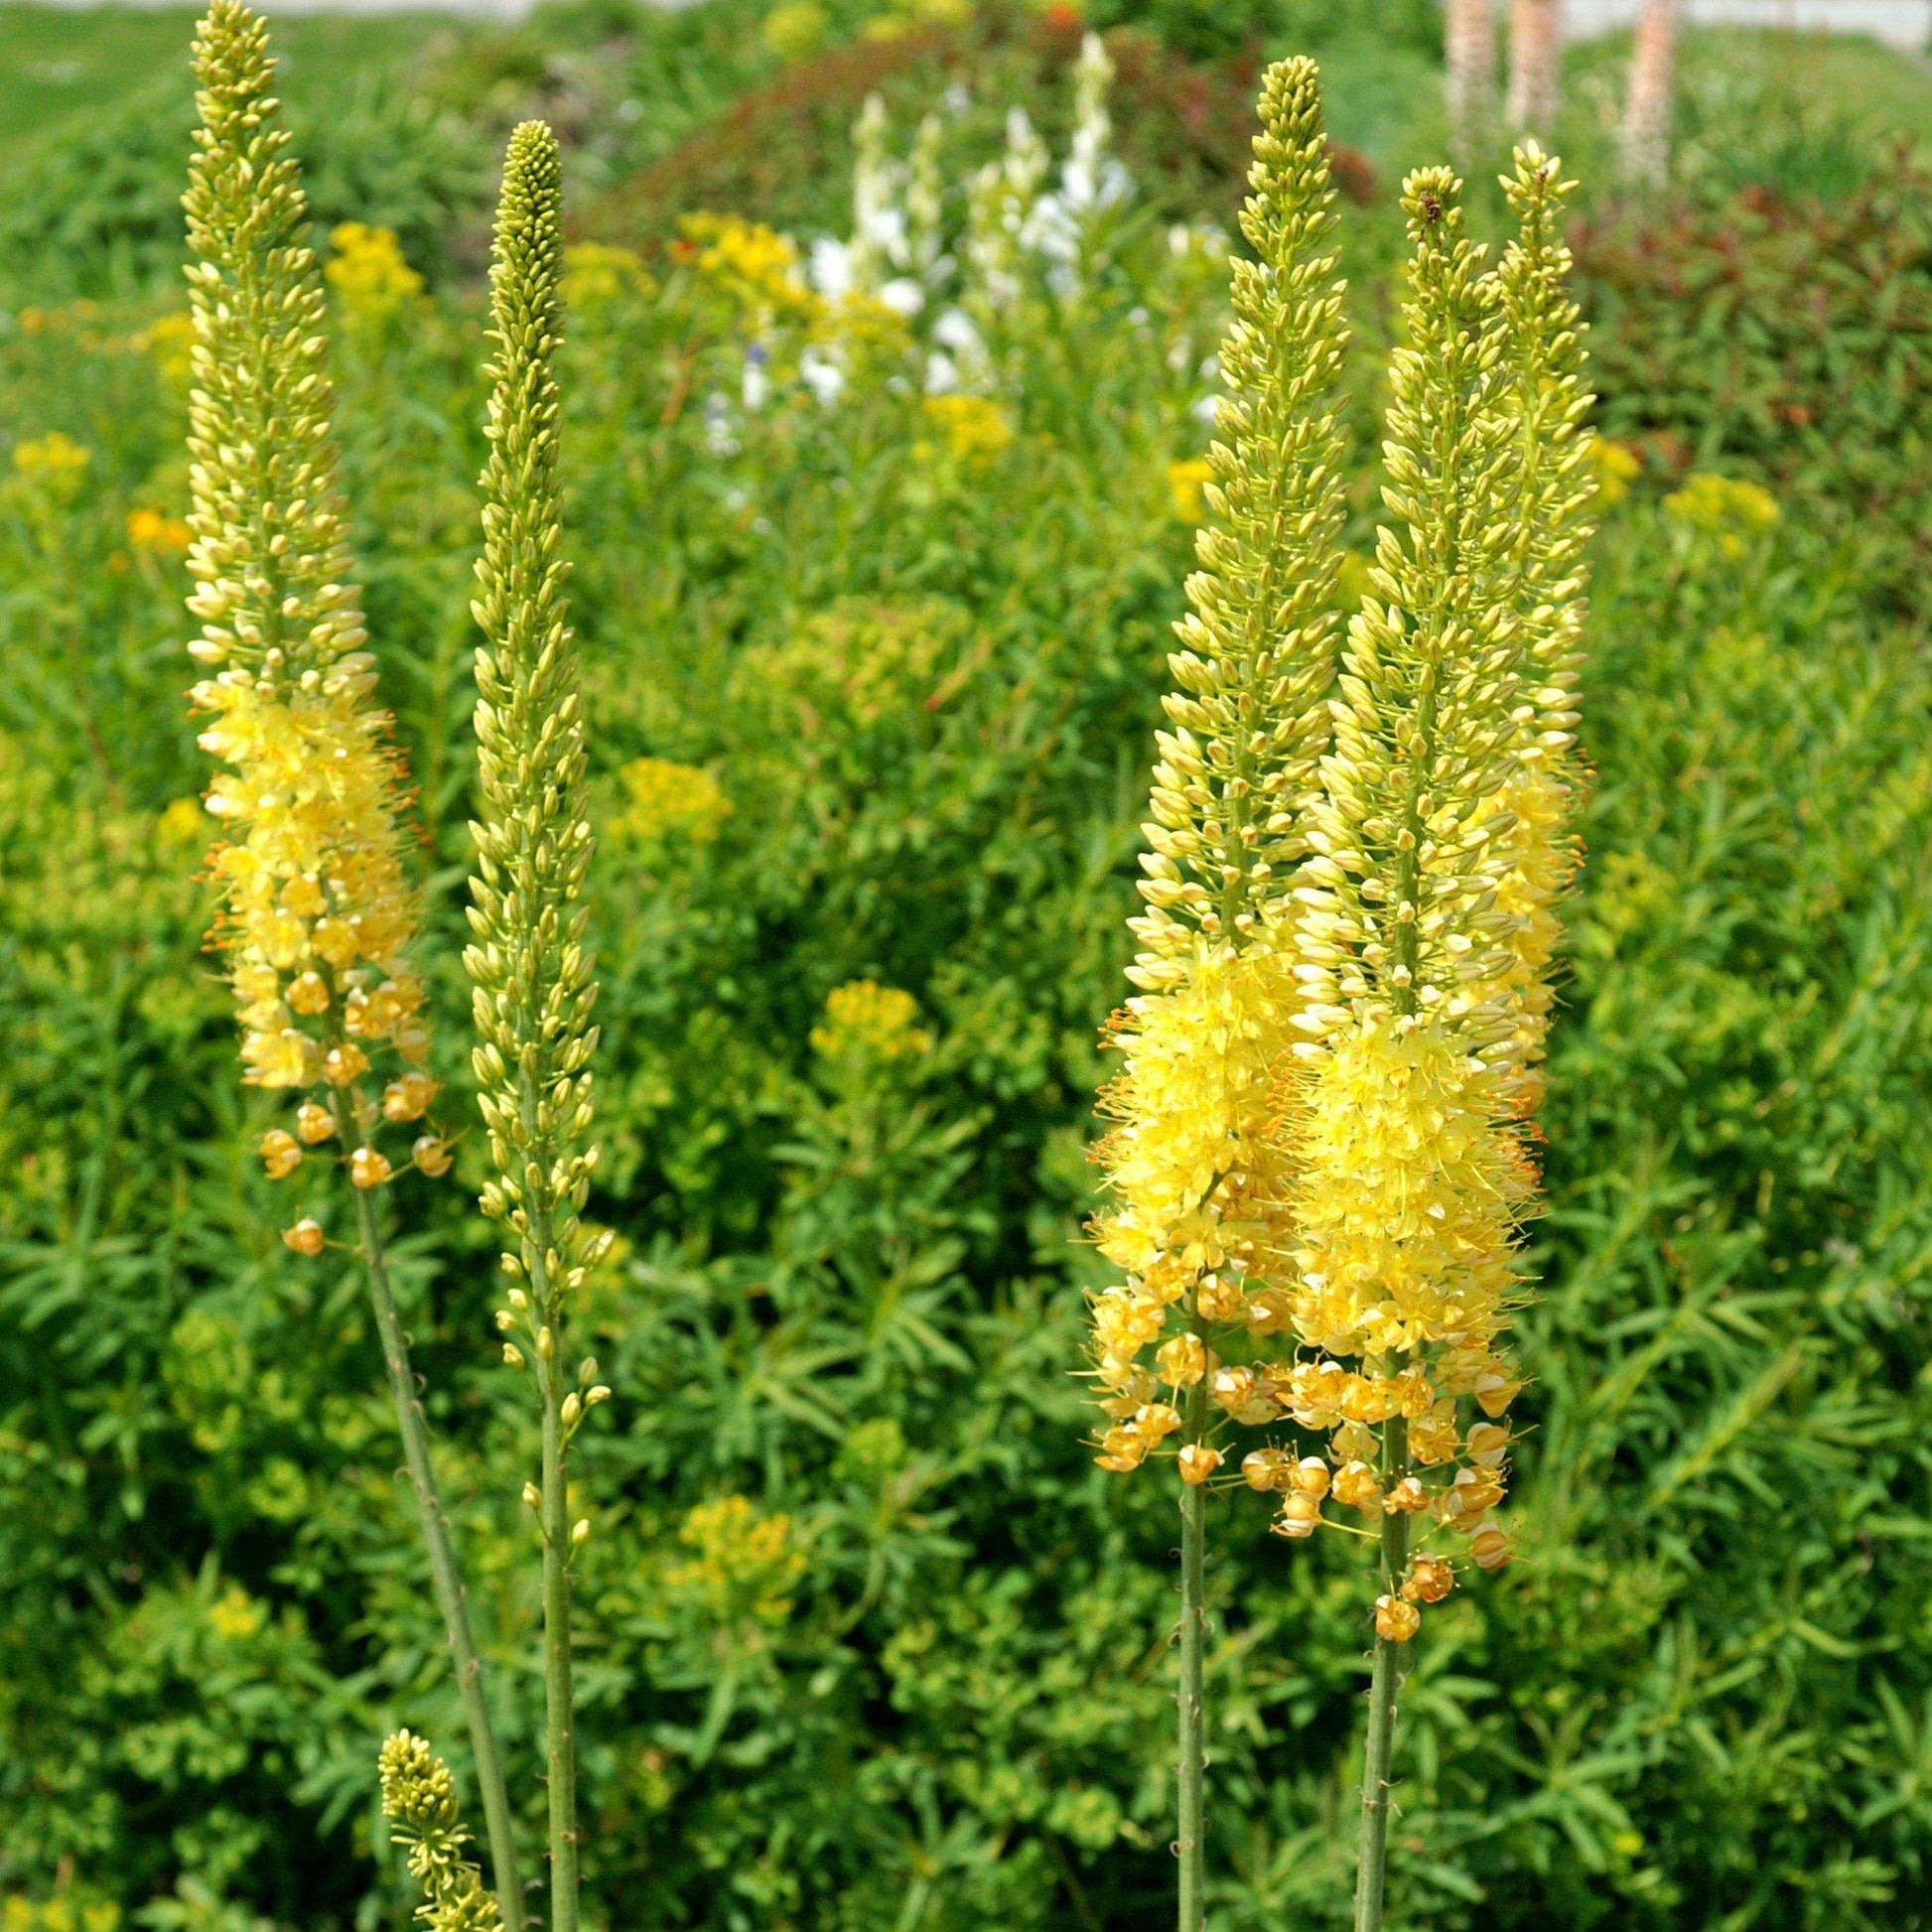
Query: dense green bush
point(1793, 340)
point(867, 1643)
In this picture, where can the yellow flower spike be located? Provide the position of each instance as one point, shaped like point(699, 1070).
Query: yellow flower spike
point(315, 897)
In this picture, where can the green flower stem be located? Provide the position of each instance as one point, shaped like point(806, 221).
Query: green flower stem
point(444, 1576)
point(559, 1719)
point(1193, 1760)
point(532, 978)
point(1372, 1867)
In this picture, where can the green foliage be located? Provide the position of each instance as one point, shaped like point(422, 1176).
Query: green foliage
point(865, 1640)
point(1794, 342)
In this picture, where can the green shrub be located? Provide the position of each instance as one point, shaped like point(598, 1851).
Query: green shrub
point(865, 1637)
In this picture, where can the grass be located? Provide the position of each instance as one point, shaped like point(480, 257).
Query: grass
point(62, 65)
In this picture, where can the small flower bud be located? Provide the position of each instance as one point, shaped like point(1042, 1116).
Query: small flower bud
point(505, 1321)
point(1395, 1620)
point(532, 1496)
point(573, 1407)
point(518, 1299)
point(579, 1529)
point(546, 1343)
point(431, 1156)
point(1490, 1548)
point(280, 1154)
point(342, 1064)
point(1310, 1477)
point(1299, 1517)
point(307, 993)
point(513, 1355)
point(305, 1237)
point(408, 1098)
point(593, 1396)
point(369, 1167)
point(313, 1123)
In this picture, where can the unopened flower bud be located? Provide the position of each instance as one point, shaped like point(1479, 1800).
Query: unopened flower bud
point(533, 1495)
point(314, 1124)
point(307, 993)
point(342, 1064)
point(1301, 1515)
point(280, 1152)
point(579, 1529)
point(1490, 1548)
point(573, 1407)
point(593, 1396)
point(369, 1167)
point(305, 1237)
point(431, 1156)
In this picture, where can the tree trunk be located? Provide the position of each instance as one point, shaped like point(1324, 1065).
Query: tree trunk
point(1535, 87)
point(1647, 107)
point(1470, 61)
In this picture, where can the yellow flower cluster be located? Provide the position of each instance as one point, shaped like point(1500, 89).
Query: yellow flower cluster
point(1320, 1126)
point(1197, 1164)
point(54, 460)
point(367, 271)
point(745, 1566)
point(869, 1023)
point(756, 267)
point(977, 429)
point(60, 1914)
point(151, 531)
point(671, 799)
point(1727, 507)
point(1185, 483)
point(597, 274)
point(318, 915)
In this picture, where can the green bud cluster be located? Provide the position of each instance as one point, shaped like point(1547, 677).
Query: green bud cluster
point(270, 555)
point(1258, 647)
point(1459, 670)
point(419, 1801)
point(532, 978)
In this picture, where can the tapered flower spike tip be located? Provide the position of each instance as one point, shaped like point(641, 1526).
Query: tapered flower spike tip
point(419, 1801)
point(317, 912)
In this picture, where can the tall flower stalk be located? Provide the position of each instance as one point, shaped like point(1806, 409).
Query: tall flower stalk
point(317, 918)
point(532, 979)
point(1442, 849)
point(1193, 1164)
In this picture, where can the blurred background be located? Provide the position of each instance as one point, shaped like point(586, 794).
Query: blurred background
point(889, 384)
